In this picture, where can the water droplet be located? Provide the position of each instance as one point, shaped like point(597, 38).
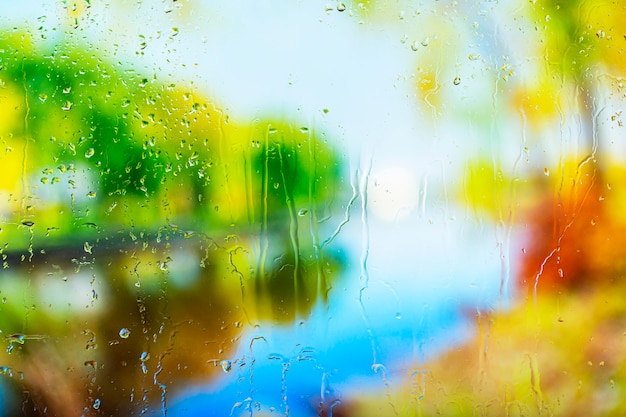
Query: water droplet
point(226, 365)
point(67, 106)
point(96, 404)
point(87, 247)
point(473, 57)
point(457, 80)
point(89, 153)
point(378, 367)
point(341, 7)
point(303, 212)
point(93, 364)
point(163, 266)
point(91, 194)
point(43, 97)
point(5, 370)
point(425, 41)
point(28, 223)
point(124, 333)
point(415, 46)
point(145, 356)
point(16, 338)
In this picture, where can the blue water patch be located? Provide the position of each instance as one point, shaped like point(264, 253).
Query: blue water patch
point(310, 370)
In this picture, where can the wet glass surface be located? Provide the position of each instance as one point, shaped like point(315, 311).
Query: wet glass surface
point(312, 209)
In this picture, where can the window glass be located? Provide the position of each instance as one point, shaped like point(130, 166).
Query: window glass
point(356, 208)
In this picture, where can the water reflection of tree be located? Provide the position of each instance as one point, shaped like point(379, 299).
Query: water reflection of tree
point(180, 225)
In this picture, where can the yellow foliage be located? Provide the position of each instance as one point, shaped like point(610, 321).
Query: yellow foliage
point(11, 160)
point(487, 190)
point(557, 356)
point(77, 9)
point(537, 103)
point(429, 88)
point(604, 24)
point(580, 34)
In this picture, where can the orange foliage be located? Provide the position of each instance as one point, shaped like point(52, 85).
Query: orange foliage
point(574, 237)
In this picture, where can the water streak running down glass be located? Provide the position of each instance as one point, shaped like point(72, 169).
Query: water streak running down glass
point(295, 208)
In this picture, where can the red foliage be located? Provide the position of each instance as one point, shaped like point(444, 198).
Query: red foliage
point(573, 239)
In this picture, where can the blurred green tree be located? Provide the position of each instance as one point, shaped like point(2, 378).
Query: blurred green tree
point(112, 177)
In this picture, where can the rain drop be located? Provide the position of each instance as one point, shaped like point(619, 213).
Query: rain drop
point(5, 370)
point(92, 364)
point(96, 404)
point(303, 212)
point(124, 333)
point(89, 153)
point(226, 365)
point(457, 80)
